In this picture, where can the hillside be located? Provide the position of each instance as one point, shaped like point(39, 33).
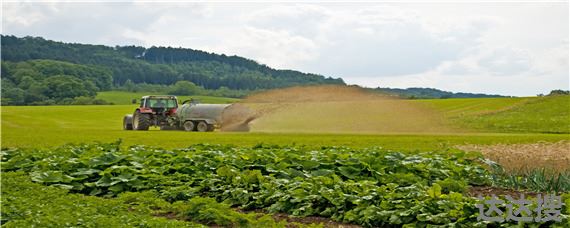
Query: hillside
point(547, 114)
point(542, 115)
point(27, 62)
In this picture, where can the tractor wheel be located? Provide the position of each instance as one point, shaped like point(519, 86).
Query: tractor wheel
point(203, 126)
point(189, 126)
point(128, 122)
point(141, 122)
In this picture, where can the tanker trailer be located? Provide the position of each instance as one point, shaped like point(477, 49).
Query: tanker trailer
point(207, 117)
point(200, 117)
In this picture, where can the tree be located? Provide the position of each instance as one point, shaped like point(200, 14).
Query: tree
point(130, 86)
point(11, 95)
point(185, 88)
point(65, 86)
point(26, 82)
point(558, 92)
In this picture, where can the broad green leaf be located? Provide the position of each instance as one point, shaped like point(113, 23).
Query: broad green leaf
point(349, 171)
point(50, 177)
point(84, 171)
point(321, 172)
point(434, 191)
point(64, 186)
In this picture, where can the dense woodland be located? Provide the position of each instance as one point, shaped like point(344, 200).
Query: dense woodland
point(39, 71)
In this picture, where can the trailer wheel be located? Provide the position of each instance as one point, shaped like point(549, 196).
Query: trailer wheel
point(128, 122)
point(189, 126)
point(202, 126)
point(141, 122)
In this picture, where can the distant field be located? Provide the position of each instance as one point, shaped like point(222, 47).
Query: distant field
point(458, 107)
point(504, 115)
point(380, 116)
point(527, 114)
point(393, 124)
point(123, 98)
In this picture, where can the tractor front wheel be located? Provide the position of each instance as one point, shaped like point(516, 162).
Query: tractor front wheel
point(141, 122)
point(128, 122)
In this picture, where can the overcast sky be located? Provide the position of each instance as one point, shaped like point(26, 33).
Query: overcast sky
point(500, 48)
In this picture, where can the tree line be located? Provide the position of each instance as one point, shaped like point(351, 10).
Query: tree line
point(34, 68)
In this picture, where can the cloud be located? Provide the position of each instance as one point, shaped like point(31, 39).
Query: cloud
point(491, 61)
point(277, 48)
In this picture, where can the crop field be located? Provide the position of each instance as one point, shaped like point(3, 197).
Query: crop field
point(319, 159)
point(368, 187)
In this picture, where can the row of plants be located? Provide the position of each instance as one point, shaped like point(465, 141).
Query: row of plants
point(371, 187)
point(27, 204)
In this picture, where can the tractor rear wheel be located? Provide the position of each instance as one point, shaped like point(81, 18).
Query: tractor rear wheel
point(189, 126)
point(141, 122)
point(203, 126)
point(128, 122)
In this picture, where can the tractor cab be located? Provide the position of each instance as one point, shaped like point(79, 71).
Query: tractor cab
point(158, 104)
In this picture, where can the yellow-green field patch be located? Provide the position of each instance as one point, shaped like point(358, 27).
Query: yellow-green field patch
point(46, 126)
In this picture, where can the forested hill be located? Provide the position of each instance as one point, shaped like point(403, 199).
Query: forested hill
point(40, 59)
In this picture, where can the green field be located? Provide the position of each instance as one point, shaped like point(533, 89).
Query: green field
point(43, 126)
point(124, 98)
point(525, 114)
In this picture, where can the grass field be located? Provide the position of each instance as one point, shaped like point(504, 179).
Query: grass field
point(43, 126)
point(525, 114)
point(458, 107)
point(124, 98)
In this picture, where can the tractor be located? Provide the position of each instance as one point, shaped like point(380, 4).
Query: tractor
point(153, 111)
point(163, 111)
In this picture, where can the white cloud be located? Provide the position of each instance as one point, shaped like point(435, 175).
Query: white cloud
point(491, 61)
point(275, 48)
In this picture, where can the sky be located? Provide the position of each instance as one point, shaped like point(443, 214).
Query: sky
point(507, 48)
